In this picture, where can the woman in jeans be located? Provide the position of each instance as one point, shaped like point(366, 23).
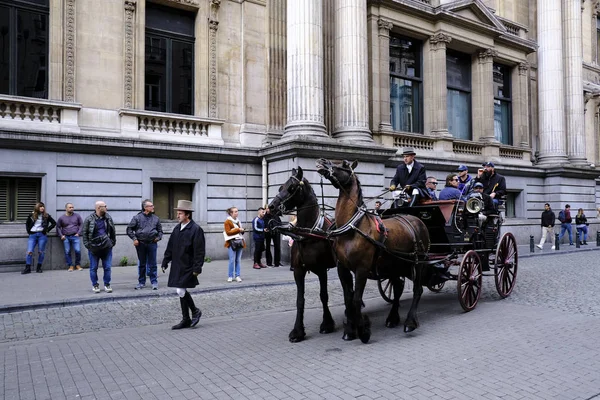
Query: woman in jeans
point(234, 231)
point(38, 224)
point(581, 225)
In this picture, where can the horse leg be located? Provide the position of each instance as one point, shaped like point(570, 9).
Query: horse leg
point(328, 325)
point(363, 323)
point(412, 322)
point(347, 286)
point(297, 334)
point(393, 318)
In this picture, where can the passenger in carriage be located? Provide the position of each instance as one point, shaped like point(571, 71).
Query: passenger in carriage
point(494, 184)
point(411, 176)
point(463, 178)
point(488, 204)
point(431, 186)
point(451, 192)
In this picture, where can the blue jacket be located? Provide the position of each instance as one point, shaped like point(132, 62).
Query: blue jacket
point(450, 193)
point(258, 229)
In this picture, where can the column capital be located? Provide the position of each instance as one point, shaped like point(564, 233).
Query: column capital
point(523, 68)
point(486, 55)
point(596, 9)
point(384, 26)
point(439, 40)
point(130, 5)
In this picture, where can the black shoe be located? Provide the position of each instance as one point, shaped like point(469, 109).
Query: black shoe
point(291, 268)
point(269, 265)
point(584, 243)
point(196, 317)
point(279, 265)
point(38, 269)
point(570, 244)
point(185, 323)
point(26, 270)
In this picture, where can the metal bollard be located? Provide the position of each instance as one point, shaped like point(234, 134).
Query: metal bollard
point(556, 241)
point(531, 244)
point(598, 238)
point(577, 245)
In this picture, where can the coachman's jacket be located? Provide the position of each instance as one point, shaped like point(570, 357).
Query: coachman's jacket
point(185, 251)
point(416, 178)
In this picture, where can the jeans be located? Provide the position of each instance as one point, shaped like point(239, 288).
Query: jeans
point(40, 240)
point(276, 237)
point(73, 241)
point(106, 265)
point(235, 259)
point(566, 227)
point(146, 253)
point(583, 233)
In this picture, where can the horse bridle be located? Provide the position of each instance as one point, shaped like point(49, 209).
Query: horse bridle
point(334, 180)
point(282, 208)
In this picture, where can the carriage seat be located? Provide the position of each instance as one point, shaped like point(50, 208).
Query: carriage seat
point(446, 206)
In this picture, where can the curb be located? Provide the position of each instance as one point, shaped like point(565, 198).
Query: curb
point(558, 252)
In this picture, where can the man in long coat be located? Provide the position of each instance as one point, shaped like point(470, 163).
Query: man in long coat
point(185, 251)
point(410, 176)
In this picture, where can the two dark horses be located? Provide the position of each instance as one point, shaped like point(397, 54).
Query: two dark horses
point(359, 246)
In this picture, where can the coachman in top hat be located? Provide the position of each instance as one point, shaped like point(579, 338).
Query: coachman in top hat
point(411, 176)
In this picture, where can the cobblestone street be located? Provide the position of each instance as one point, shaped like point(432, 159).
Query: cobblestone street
point(541, 343)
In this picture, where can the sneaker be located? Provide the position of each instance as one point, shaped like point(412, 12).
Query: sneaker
point(155, 286)
point(553, 247)
point(78, 268)
point(238, 279)
point(96, 289)
point(539, 247)
point(107, 289)
point(71, 269)
point(230, 279)
point(139, 286)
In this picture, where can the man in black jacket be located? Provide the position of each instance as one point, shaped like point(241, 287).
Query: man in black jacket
point(272, 235)
point(145, 230)
point(410, 175)
point(99, 237)
point(494, 184)
point(548, 219)
point(185, 251)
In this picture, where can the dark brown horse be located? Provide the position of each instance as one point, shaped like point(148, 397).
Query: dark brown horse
point(311, 250)
point(369, 246)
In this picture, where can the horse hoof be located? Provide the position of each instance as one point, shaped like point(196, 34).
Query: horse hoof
point(391, 324)
point(327, 329)
point(349, 336)
point(296, 339)
point(365, 337)
point(408, 329)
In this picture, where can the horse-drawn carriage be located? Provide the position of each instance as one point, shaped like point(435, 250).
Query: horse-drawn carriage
point(424, 243)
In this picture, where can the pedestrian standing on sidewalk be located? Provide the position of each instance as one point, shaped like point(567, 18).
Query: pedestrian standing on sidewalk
point(185, 251)
point(69, 228)
point(38, 224)
point(99, 237)
point(146, 231)
point(258, 236)
point(548, 219)
point(235, 243)
point(581, 225)
point(272, 236)
point(564, 216)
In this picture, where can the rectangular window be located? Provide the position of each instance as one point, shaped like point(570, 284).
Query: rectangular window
point(169, 60)
point(406, 84)
point(458, 75)
point(510, 204)
point(165, 196)
point(502, 104)
point(18, 197)
point(24, 48)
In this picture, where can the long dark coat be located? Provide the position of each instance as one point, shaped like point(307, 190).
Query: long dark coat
point(417, 177)
point(185, 251)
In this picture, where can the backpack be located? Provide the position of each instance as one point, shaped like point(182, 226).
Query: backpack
point(561, 216)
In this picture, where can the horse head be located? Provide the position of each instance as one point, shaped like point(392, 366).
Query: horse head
point(340, 175)
point(291, 193)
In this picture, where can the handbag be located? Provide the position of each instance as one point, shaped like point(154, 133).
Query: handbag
point(100, 243)
point(236, 244)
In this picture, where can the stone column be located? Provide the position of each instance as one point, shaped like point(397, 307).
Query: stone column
point(384, 26)
point(550, 83)
point(351, 82)
point(305, 68)
point(483, 97)
point(521, 106)
point(437, 89)
point(573, 59)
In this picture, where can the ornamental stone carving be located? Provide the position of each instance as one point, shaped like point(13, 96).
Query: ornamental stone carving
point(129, 51)
point(486, 55)
point(213, 25)
point(192, 3)
point(384, 26)
point(439, 41)
point(523, 68)
point(69, 52)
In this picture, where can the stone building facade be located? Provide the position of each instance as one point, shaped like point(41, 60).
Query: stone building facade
point(217, 100)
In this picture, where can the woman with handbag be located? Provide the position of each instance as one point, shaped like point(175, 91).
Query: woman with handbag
point(235, 243)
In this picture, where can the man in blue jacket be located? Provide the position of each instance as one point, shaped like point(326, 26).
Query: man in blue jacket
point(258, 236)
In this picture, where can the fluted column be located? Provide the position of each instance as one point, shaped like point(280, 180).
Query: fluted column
point(573, 59)
point(437, 89)
point(550, 83)
point(483, 97)
point(384, 27)
point(305, 68)
point(521, 105)
point(351, 82)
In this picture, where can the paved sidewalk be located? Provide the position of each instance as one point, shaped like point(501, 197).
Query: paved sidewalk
point(58, 288)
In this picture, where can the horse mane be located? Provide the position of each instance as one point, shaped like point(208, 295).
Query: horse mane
point(359, 201)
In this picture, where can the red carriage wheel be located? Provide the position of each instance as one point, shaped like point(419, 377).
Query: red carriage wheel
point(469, 280)
point(386, 290)
point(505, 265)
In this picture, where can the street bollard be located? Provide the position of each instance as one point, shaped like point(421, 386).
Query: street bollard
point(556, 241)
point(577, 245)
point(598, 238)
point(531, 244)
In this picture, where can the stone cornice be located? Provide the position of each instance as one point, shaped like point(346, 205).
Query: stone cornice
point(190, 3)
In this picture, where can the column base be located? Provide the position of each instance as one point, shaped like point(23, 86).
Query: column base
point(552, 159)
point(386, 128)
point(579, 161)
point(353, 135)
point(305, 128)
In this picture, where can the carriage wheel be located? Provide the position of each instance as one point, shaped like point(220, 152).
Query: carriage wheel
point(505, 266)
point(436, 288)
point(469, 280)
point(386, 290)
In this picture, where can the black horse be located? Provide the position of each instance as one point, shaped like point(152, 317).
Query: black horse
point(311, 250)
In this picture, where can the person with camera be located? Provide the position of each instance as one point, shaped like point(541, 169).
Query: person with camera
point(235, 243)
